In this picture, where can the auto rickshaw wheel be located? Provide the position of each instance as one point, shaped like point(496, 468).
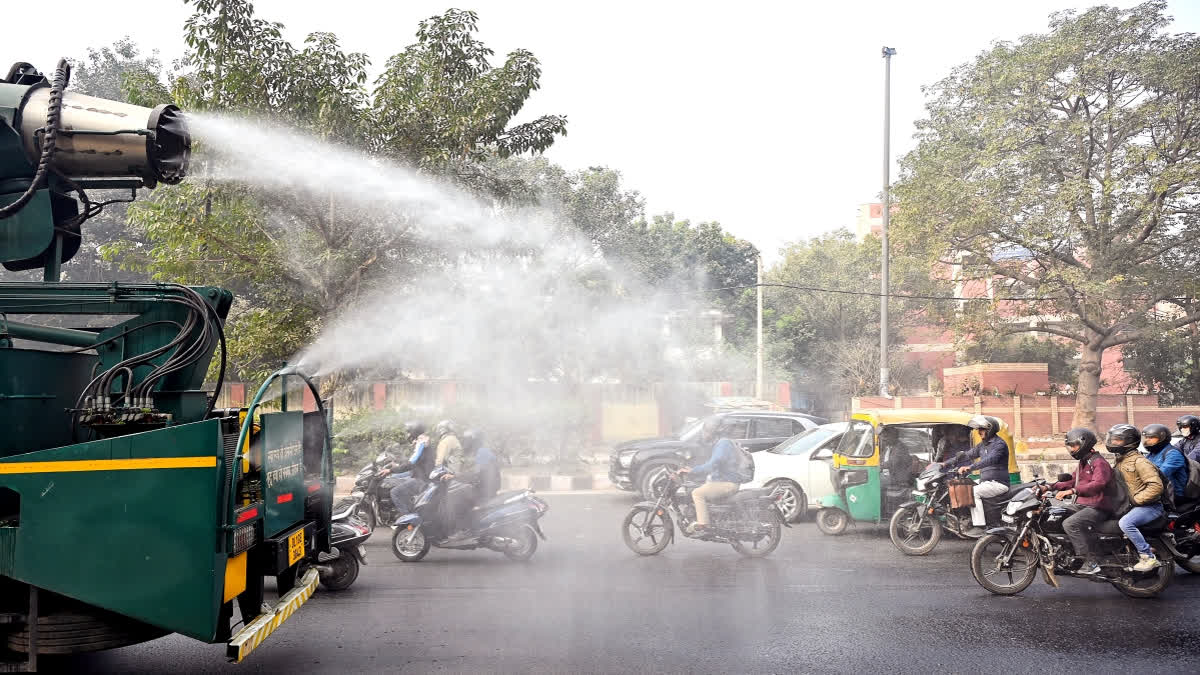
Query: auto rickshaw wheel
point(832, 521)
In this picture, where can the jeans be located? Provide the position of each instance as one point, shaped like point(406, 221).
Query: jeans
point(712, 490)
point(1077, 525)
point(988, 488)
point(402, 492)
point(1137, 516)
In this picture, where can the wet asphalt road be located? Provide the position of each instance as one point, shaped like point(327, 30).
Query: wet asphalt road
point(585, 603)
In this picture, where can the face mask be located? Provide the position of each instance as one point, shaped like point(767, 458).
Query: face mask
point(1186, 431)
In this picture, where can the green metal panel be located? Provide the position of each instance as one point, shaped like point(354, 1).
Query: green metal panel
point(29, 232)
point(283, 469)
point(139, 542)
point(36, 388)
point(864, 500)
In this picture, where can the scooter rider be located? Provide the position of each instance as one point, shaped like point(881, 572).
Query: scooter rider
point(420, 463)
point(1156, 438)
point(990, 458)
point(1189, 428)
point(1092, 486)
point(487, 465)
point(1143, 485)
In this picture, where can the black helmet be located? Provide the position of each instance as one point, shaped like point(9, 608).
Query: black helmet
point(413, 429)
point(1122, 438)
point(1190, 422)
point(1160, 433)
point(471, 439)
point(986, 425)
point(1080, 442)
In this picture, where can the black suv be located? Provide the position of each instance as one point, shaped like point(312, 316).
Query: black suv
point(641, 465)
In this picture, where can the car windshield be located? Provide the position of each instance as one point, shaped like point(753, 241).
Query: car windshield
point(804, 441)
point(859, 441)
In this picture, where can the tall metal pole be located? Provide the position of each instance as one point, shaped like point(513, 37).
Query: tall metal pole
point(758, 381)
point(888, 52)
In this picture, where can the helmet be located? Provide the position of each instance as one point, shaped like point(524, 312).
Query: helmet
point(710, 427)
point(413, 429)
point(1080, 442)
point(1122, 438)
point(1161, 435)
point(1188, 423)
point(444, 427)
point(471, 439)
point(986, 426)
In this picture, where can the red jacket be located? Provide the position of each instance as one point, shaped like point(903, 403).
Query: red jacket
point(1092, 482)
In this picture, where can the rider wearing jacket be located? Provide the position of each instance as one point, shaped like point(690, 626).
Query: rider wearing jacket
point(990, 458)
point(1168, 458)
point(1189, 428)
point(720, 470)
point(1144, 487)
point(1092, 485)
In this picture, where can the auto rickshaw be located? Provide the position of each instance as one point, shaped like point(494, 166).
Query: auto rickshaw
point(872, 475)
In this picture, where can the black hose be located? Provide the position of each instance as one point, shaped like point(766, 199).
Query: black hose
point(62, 76)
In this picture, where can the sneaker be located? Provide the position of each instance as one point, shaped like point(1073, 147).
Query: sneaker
point(696, 527)
point(1088, 569)
point(1145, 563)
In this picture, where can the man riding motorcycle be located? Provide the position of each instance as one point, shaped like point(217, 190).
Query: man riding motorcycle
point(990, 458)
point(1092, 486)
point(718, 469)
point(1143, 486)
point(1156, 438)
point(1189, 428)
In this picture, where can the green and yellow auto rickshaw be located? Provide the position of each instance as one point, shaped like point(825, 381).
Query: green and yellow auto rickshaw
point(879, 455)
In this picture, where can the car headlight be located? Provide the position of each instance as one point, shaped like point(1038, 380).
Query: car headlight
point(626, 458)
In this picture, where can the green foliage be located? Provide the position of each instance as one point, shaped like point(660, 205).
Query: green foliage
point(1168, 364)
point(827, 341)
point(1063, 169)
point(1060, 356)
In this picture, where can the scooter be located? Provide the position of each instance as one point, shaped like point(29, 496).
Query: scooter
point(339, 568)
point(507, 523)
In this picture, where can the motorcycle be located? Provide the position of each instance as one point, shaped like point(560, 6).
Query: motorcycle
point(339, 568)
point(369, 500)
point(1183, 536)
point(917, 526)
point(751, 521)
point(507, 523)
point(1007, 558)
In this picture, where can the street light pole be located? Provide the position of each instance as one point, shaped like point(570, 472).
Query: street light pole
point(758, 380)
point(888, 53)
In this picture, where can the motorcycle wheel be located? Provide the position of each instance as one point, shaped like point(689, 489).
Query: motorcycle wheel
point(1148, 587)
point(409, 551)
point(1022, 568)
point(526, 546)
point(912, 535)
point(644, 524)
point(832, 521)
point(764, 545)
point(345, 572)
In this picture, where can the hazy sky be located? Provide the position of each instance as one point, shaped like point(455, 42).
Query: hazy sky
point(764, 116)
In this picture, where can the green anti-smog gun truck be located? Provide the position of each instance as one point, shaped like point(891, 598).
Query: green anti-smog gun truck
point(130, 506)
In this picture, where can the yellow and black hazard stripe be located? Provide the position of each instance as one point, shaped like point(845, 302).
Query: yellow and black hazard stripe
point(253, 634)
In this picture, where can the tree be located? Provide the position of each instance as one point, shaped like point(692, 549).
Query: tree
point(1168, 364)
point(296, 259)
point(1064, 168)
point(829, 341)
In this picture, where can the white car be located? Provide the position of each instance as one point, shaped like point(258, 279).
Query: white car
point(801, 466)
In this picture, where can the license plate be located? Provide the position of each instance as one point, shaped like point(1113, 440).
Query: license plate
point(295, 547)
point(1007, 518)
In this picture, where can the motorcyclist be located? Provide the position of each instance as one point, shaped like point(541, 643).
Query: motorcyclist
point(1189, 428)
point(419, 463)
point(461, 465)
point(990, 458)
point(487, 465)
point(1143, 486)
point(1156, 438)
point(1092, 486)
point(718, 469)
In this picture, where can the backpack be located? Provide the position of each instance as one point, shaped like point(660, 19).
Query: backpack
point(1121, 501)
point(1192, 490)
point(743, 463)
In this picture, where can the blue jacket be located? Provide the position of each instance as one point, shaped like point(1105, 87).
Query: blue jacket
point(1190, 447)
point(990, 458)
point(1171, 462)
point(721, 465)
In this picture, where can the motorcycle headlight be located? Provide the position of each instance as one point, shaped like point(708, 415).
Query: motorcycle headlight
point(626, 458)
point(1012, 507)
point(921, 485)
